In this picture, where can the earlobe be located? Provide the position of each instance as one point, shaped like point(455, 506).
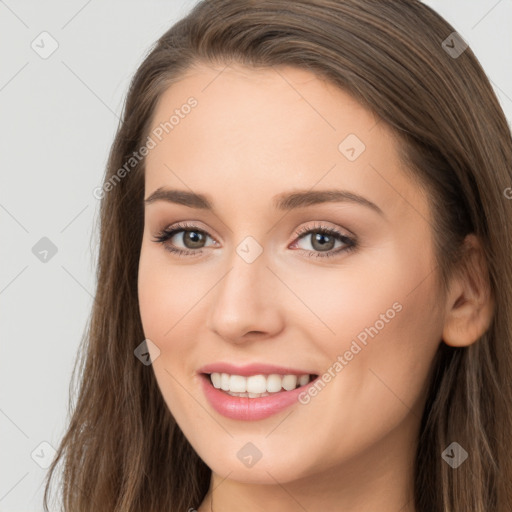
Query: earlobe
point(470, 304)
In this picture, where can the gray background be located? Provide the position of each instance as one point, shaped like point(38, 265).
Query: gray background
point(58, 119)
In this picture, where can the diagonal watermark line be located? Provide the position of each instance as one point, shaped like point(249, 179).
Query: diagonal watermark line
point(13, 13)
point(423, 280)
point(408, 202)
point(5, 495)
point(113, 112)
point(405, 507)
point(77, 281)
point(486, 14)
point(75, 15)
point(214, 78)
point(296, 90)
point(216, 487)
point(286, 491)
point(13, 279)
point(198, 402)
point(395, 394)
point(74, 218)
point(194, 305)
point(377, 122)
point(14, 423)
point(501, 90)
point(14, 218)
point(14, 76)
point(38, 487)
point(300, 300)
point(280, 423)
point(222, 481)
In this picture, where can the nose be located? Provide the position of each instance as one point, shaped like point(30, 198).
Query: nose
point(244, 305)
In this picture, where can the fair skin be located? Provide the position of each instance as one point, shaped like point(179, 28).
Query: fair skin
point(253, 135)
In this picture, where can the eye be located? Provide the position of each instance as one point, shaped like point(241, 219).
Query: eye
point(193, 238)
point(322, 243)
point(323, 239)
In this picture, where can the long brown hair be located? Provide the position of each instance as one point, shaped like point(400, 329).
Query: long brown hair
point(122, 450)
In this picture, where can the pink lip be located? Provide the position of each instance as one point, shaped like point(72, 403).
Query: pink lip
point(250, 409)
point(251, 369)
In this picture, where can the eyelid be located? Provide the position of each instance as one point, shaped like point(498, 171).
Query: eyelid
point(323, 225)
point(196, 225)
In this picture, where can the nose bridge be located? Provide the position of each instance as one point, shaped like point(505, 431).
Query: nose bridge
point(245, 299)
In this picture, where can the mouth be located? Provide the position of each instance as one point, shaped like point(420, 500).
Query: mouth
point(259, 385)
point(254, 397)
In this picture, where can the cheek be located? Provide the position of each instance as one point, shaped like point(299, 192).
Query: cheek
point(391, 352)
point(383, 290)
point(386, 324)
point(167, 292)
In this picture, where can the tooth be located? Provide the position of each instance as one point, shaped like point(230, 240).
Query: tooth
point(274, 383)
point(237, 384)
point(224, 382)
point(216, 380)
point(303, 380)
point(289, 382)
point(257, 384)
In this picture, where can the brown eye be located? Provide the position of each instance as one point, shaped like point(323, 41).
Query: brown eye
point(190, 237)
point(322, 240)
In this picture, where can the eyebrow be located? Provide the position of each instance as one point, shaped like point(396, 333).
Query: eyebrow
point(285, 201)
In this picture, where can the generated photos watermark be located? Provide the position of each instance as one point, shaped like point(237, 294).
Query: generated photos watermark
point(156, 136)
point(357, 345)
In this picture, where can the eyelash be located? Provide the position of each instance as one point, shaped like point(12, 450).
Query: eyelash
point(167, 233)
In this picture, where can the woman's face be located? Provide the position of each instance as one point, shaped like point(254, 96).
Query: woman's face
point(282, 277)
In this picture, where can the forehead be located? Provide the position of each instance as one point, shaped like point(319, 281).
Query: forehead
point(236, 96)
point(272, 129)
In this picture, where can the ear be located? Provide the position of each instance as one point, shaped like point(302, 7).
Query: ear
point(470, 304)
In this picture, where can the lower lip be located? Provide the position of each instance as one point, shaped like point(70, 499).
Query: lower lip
point(249, 409)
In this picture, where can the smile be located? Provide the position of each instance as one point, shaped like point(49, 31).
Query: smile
point(257, 394)
point(257, 386)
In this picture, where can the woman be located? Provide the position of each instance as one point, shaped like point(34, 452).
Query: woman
point(305, 229)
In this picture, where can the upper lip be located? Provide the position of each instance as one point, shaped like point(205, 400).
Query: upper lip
point(252, 369)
